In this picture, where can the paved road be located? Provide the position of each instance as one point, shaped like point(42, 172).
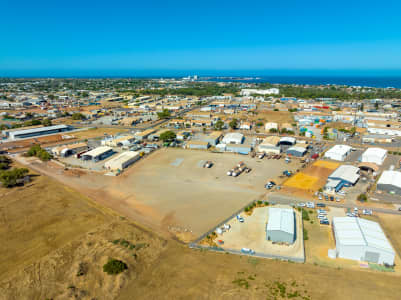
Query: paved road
point(284, 199)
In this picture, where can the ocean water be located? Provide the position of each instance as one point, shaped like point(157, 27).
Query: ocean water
point(371, 81)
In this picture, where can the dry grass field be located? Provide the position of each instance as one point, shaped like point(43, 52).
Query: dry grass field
point(311, 179)
point(302, 181)
point(97, 132)
point(55, 242)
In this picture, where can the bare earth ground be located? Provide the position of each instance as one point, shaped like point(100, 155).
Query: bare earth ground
point(183, 198)
point(52, 230)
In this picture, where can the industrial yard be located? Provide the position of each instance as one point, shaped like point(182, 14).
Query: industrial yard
point(251, 234)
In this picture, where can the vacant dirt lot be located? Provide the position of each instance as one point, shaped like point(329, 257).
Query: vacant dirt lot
point(311, 179)
point(170, 189)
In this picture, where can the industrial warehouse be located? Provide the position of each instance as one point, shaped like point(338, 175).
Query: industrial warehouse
point(338, 152)
point(122, 160)
point(362, 240)
point(97, 154)
point(281, 225)
point(345, 175)
point(34, 132)
point(390, 182)
point(374, 155)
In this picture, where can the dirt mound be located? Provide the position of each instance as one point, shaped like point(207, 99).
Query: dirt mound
point(76, 270)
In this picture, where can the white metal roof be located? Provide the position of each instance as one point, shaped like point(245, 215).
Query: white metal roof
point(390, 177)
point(360, 232)
point(98, 151)
point(39, 129)
point(297, 148)
point(338, 150)
point(281, 219)
point(288, 139)
point(375, 155)
point(233, 137)
point(122, 158)
point(346, 172)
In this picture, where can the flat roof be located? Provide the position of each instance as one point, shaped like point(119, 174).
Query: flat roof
point(281, 219)
point(98, 151)
point(354, 231)
point(201, 143)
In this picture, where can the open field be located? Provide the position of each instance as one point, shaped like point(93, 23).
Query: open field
point(97, 132)
point(51, 230)
point(302, 181)
point(326, 164)
point(252, 234)
point(40, 217)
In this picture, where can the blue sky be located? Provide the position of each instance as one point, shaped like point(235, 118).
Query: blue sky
point(147, 37)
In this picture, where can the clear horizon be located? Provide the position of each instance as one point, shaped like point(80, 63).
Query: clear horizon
point(53, 39)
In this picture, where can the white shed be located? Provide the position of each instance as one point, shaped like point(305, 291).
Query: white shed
point(338, 152)
point(281, 225)
point(233, 138)
point(374, 155)
point(362, 240)
point(122, 160)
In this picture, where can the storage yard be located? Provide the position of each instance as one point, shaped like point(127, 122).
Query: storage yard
point(193, 200)
point(251, 234)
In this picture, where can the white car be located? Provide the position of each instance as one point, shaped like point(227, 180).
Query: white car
point(310, 205)
point(301, 204)
point(367, 212)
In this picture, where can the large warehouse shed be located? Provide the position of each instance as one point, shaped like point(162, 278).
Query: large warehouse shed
point(33, 132)
point(233, 138)
point(374, 155)
point(67, 150)
point(390, 181)
point(197, 145)
point(296, 151)
point(345, 175)
point(338, 152)
point(241, 149)
point(288, 140)
point(98, 153)
point(362, 240)
point(122, 160)
point(270, 145)
point(281, 225)
point(213, 138)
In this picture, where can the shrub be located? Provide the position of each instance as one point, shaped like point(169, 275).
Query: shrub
point(305, 235)
point(362, 198)
point(114, 266)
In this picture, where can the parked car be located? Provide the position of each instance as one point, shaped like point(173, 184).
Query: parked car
point(321, 205)
point(240, 219)
point(367, 212)
point(310, 205)
point(301, 204)
point(247, 251)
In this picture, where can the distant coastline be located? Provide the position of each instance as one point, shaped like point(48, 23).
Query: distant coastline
point(363, 81)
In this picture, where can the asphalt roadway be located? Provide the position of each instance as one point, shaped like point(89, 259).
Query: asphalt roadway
point(284, 199)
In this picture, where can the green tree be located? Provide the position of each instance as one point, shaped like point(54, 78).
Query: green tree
point(114, 266)
point(46, 122)
point(273, 130)
point(165, 114)
point(10, 178)
point(219, 125)
point(233, 123)
point(362, 198)
point(168, 136)
point(78, 116)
